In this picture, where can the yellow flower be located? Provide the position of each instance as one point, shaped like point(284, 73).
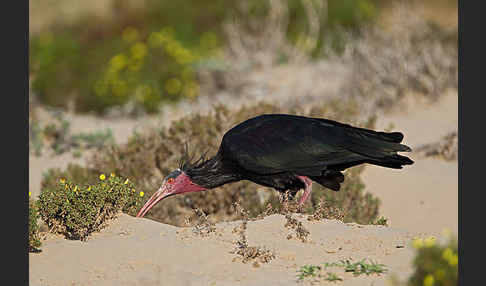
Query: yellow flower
point(418, 243)
point(139, 50)
point(30, 194)
point(118, 62)
point(89, 188)
point(75, 189)
point(133, 190)
point(141, 194)
point(102, 177)
point(429, 280)
point(429, 241)
point(447, 254)
point(62, 180)
point(182, 56)
point(126, 181)
point(156, 40)
point(112, 175)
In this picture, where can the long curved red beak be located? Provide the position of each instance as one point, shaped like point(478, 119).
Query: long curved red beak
point(154, 199)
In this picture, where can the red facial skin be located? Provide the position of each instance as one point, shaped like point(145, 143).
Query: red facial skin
point(179, 185)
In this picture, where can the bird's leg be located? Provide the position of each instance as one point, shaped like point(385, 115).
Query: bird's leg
point(308, 189)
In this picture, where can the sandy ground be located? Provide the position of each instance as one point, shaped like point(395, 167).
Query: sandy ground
point(142, 252)
point(423, 197)
point(419, 200)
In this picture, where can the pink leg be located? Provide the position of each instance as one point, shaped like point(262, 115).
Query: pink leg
point(308, 189)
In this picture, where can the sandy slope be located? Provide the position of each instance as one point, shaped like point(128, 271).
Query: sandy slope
point(142, 252)
point(418, 200)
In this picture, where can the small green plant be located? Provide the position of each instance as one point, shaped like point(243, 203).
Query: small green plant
point(332, 277)
point(357, 268)
point(76, 211)
point(34, 239)
point(381, 221)
point(362, 267)
point(308, 271)
point(435, 264)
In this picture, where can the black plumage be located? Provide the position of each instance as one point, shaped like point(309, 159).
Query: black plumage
point(278, 150)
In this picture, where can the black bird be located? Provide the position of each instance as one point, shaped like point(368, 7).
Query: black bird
point(285, 152)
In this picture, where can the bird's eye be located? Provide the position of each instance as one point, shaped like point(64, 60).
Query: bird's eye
point(170, 180)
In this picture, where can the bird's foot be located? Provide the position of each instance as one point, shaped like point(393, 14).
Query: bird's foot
point(307, 191)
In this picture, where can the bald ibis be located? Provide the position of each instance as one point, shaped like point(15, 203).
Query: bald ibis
point(287, 153)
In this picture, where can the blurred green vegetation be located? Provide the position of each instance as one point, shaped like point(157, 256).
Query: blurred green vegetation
point(149, 56)
point(55, 136)
point(435, 264)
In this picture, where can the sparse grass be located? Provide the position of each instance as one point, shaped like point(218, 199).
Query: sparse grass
point(78, 210)
point(203, 227)
point(324, 210)
point(258, 254)
point(300, 231)
point(56, 137)
point(357, 268)
point(446, 148)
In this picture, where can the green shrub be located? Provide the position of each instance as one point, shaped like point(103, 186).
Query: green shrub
point(435, 264)
point(76, 211)
point(146, 158)
point(34, 239)
point(151, 71)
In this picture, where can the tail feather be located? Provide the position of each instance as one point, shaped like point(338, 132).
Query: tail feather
point(379, 148)
point(394, 161)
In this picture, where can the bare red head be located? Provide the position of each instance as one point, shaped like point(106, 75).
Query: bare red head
point(175, 183)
